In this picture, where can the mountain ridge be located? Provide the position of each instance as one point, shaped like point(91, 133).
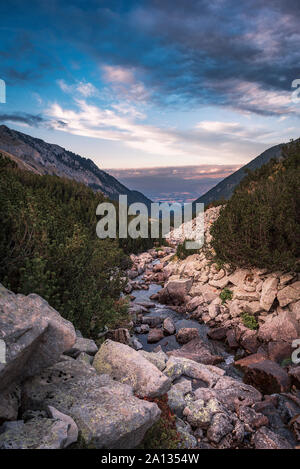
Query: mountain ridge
point(47, 158)
point(225, 188)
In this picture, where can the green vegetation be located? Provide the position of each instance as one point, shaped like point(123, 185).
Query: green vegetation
point(249, 321)
point(48, 245)
point(286, 362)
point(225, 295)
point(163, 434)
point(182, 252)
point(215, 203)
point(260, 225)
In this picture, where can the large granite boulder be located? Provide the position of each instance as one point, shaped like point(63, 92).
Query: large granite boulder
point(283, 327)
point(82, 346)
point(264, 438)
point(39, 433)
point(35, 336)
point(9, 403)
point(268, 293)
point(289, 294)
point(179, 366)
point(130, 367)
point(198, 351)
point(107, 413)
point(186, 334)
point(175, 291)
point(267, 376)
point(229, 392)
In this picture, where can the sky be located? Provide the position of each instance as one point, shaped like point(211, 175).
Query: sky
point(169, 96)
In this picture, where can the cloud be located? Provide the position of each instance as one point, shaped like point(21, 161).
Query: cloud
point(208, 141)
point(242, 55)
point(30, 120)
point(124, 84)
point(85, 89)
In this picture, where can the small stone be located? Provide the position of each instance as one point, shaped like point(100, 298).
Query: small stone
point(186, 334)
point(168, 326)
point(155, 335)
point(264, 438)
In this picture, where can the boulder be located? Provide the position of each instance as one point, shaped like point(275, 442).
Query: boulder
point(238, 276)
point(176, 396)
point(37, 433)
point(9, 404)
point(231, 339)
point(152, 321)
point(264, 438)
point(175, 291)
point(34, 333)
point(268, 293)
point(251, 419)
point(187, 440)
point(282, 327)
point(219, 427)
point(179, 366)
point(128, 366)
point(136, 344)
point(218, 333)
point(221, 283)
point(244, 363)
point(72, 427)
point(121, 335)
point(159, 359)
point(155, 335)
point(169, 326)
point(200, 413)
point(106, 412)
point(249, 341)
point(267, 376)
point(242, 294)
point(294, 374)
point(185, 334)
point(198, 351)
point(279, 351)
point(193, 303)
point(289, 294)
point(208, 293)
point(82, 345)
point(229, 392)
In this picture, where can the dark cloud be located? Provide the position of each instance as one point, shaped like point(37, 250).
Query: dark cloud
point(191, 51)
point(32, 120)
point(159, 183)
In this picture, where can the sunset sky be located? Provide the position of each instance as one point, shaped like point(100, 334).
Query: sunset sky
point(169, 96)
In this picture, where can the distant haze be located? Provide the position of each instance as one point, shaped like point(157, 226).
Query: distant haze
point(174, 184)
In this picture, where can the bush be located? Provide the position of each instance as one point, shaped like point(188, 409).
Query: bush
point(182, 252)
point(225, 295)
point(48, 245)
point(249, 321)
point(260, 225)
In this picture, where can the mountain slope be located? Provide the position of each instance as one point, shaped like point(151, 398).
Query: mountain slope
point(225, 188)
point(46, 158)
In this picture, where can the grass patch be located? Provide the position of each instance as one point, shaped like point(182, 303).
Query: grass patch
point(163, 434)
point(249, 321)
point(226, 295)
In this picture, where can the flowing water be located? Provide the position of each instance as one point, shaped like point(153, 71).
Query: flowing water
point(169, 343)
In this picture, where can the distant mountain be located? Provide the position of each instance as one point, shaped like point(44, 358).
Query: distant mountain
point(225, 188)
point(45, 158)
